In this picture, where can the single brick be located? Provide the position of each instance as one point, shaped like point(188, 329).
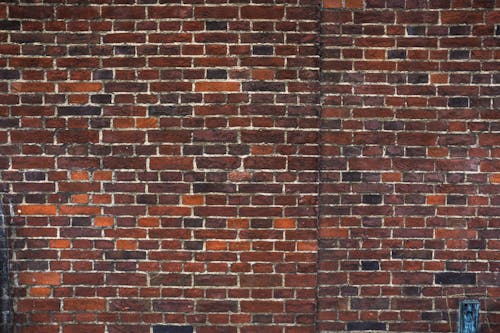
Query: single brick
point(458, 102)
point(366, 326)
point(216, 74)
point(263, 49)
point(79, 110)
point(103, 74)
point(216, 25)
point(372, 199)
point(169, 110)
point(396, 54)
point(10, 25)
point(370, 265)
point(455, 278)
point(263, 86)
point(459, 54)
point(217, 86)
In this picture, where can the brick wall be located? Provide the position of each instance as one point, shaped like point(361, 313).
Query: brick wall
point(409, 195)
point(238, 167)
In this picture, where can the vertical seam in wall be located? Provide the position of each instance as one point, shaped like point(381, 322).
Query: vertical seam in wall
point(319, 44)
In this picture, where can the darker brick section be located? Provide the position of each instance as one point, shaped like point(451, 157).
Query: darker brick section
point(372, 199)
point(10, 25)
point(366, 326)
point(263, 86)
point(103, 74)
point(460, 102)
point(79, 111)
point(172, 329)
point(351, 176)
point(415, 30)
point(9, 74)
point(263, 50)
point(455, 278)
point(418, 78)
point(396, 54)
point(216, 74)
point(459, 54)
point(216, 25)
point(370, 265)
point(169, 110)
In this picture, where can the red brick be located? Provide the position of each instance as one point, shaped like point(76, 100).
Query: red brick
point(123, 12)
point(87, 304)
point(216, 12)
point(171, 163)
point(32, 87)
point(262, 12)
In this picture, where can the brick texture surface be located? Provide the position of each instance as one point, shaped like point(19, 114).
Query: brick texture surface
point(291, 166)
point(408, 191)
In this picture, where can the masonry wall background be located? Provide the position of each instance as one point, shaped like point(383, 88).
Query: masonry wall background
point(236, 166)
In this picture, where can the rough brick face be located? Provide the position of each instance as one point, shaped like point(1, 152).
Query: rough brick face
point(250, 166)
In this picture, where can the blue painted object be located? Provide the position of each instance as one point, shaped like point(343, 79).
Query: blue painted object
point(468, 317)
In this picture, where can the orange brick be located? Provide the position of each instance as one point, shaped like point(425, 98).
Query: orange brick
point(354, 3)
point(104, 221)
point(262, 150)
point(147, 123)
point(59, 243)
point(217, 86)
point(103, 175)
point(438, 199)
point(284, 223)
point(125, 244)
point(80, 87)
point(495, 178)
point(332, 3)
point(149, 222)
point(79, 175)
point(216, 245)
point(40, 292)
point(101, 198)
point(37, 209)
point(193, 200)
point(263, 74)
point(307, 246)
point(238, 223)
point(123, 123)
point(80, 210)
point(45, 278)
point(239, 246)
point(78, 99)
point(80, 198)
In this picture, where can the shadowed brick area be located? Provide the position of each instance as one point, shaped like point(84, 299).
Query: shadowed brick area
point(292, 166)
